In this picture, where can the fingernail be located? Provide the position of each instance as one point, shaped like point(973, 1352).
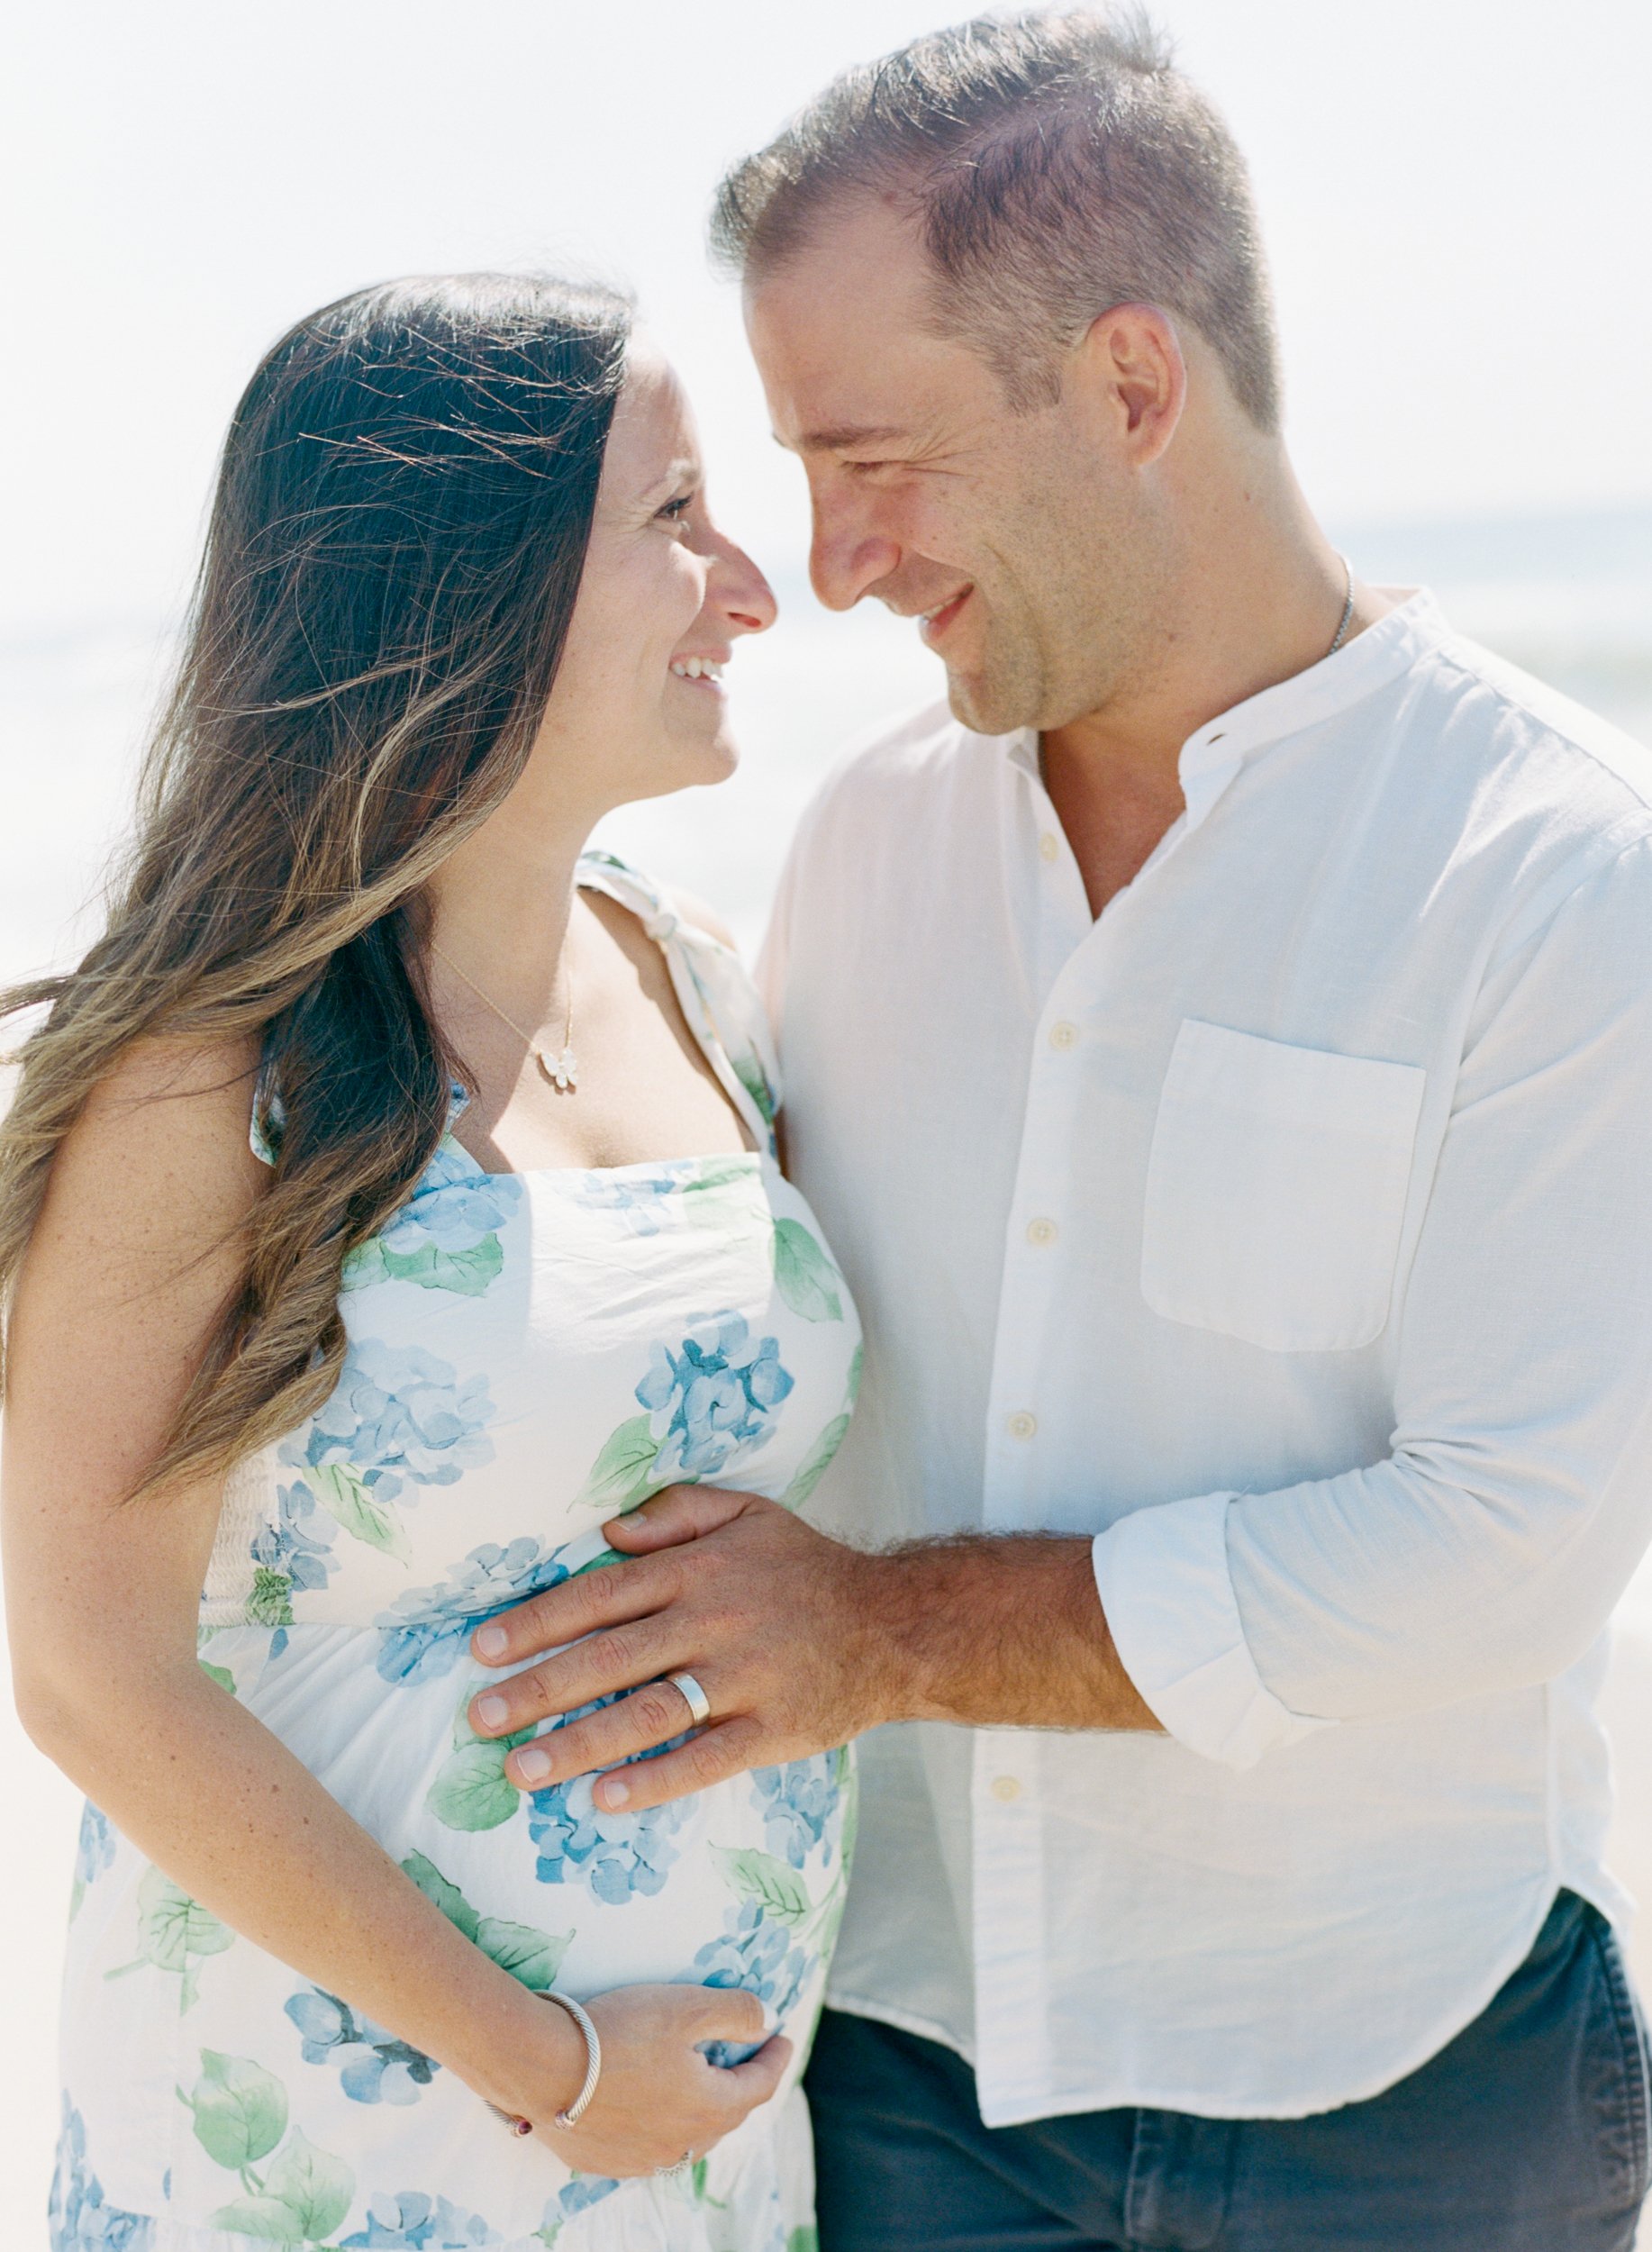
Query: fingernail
point(491, 1641)
point(615, 1793)
point(533, 1765)
point(492, 1712)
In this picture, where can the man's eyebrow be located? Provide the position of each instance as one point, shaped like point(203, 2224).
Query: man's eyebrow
point(843, 435)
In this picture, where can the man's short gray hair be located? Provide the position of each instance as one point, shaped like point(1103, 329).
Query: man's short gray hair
point(1056, 164)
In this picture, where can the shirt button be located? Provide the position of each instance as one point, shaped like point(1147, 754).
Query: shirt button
point(1063, 1034)
point(1020, 1425)
point(1042, 1231)
point(1006, 1789)
point(1050, 846)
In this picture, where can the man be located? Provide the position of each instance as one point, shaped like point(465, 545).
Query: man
point(1220, 1050)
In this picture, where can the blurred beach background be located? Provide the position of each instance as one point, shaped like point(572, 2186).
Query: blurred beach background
point(1451, 192)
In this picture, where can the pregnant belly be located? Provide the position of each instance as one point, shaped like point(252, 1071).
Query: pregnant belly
point(739, 1886)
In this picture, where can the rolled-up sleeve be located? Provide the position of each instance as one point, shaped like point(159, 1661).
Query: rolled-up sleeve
point(1487, 1550)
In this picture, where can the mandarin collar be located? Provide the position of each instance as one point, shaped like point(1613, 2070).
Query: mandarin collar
point(1213, 754)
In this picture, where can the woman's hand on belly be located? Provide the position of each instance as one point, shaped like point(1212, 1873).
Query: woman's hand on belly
point(658, 2102)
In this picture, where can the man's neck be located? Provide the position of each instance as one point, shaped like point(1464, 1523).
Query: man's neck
point(1261, 602)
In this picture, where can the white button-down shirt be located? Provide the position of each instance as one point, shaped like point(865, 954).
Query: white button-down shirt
point(1289, 1229)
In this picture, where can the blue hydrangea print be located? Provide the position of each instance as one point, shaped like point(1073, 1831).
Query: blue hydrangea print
point(758, 1954)
point(617, 1855)
point(455, 1206)
point(412, 2222)
point(79, 2218)
point(293, 1552)
point(423, 1634)
point(375, 2067)
point(796, 1802)
point(94, 1852)
point(398, 1416)
point(577, 2196)
point(446, 1237)
point(644, 1198)
point(715, 1397)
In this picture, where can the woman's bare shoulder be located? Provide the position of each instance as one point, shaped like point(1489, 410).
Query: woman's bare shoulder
point(160, 1155)
point(138, 1248)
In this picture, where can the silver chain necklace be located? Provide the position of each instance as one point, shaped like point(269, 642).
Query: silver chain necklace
point(1347, 608)
point(564, 1073)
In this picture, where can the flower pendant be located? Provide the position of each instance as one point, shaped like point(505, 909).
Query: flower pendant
point(564, 1074)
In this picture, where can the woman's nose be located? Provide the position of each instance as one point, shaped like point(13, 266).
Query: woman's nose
point(741, 591)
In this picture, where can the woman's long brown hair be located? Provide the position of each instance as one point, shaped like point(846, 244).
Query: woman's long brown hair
point(392, 557)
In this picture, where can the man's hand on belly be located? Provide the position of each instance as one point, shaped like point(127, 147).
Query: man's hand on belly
point(798, 1643)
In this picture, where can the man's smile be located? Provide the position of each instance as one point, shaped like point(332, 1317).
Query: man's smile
point(936, 623)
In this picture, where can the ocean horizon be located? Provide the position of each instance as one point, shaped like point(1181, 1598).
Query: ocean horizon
point(1566, 595)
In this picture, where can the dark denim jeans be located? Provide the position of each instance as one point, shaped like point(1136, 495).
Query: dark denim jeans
point(1526, 2133)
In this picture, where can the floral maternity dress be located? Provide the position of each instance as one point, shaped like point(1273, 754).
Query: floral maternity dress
point(529, 1354)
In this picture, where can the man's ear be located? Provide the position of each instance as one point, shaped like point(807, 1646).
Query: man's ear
point(1132, 359)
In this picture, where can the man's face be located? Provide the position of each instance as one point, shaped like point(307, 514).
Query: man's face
point(1023, 541)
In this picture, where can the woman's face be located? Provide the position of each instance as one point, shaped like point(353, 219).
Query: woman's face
point(638, 707)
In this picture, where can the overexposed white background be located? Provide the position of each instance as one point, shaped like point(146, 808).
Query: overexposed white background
point(1456, 193)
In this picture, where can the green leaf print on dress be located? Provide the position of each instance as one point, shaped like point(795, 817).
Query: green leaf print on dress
point(344, 1494)
point(446, 1896)
point(534, 1957)
point(818, 1463)
point(471, 1789)
point(467, 1272)
point(818, 1459)
point(446, 1237)
point(728, 1005)
point(806, 1278)
point(761, 1876)
point(752, 1076)
point(623, 1474)
point(716, 1183)
point(306, 2197)
point(240, 2114)
point(240, 2110)
point(173, 1931)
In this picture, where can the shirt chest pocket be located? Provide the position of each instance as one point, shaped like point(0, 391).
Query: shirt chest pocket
point(1277, 1188)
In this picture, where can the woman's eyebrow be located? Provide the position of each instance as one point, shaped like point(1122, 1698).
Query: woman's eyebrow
point(685, 470)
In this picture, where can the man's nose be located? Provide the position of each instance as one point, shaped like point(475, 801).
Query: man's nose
point(846, 560)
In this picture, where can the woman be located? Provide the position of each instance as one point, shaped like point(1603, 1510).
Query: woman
point(389, 1199)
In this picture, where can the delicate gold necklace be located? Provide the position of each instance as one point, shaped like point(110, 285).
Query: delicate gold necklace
point(564, 1074)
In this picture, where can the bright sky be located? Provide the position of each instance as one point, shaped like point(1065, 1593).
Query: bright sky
point(1456, 194)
